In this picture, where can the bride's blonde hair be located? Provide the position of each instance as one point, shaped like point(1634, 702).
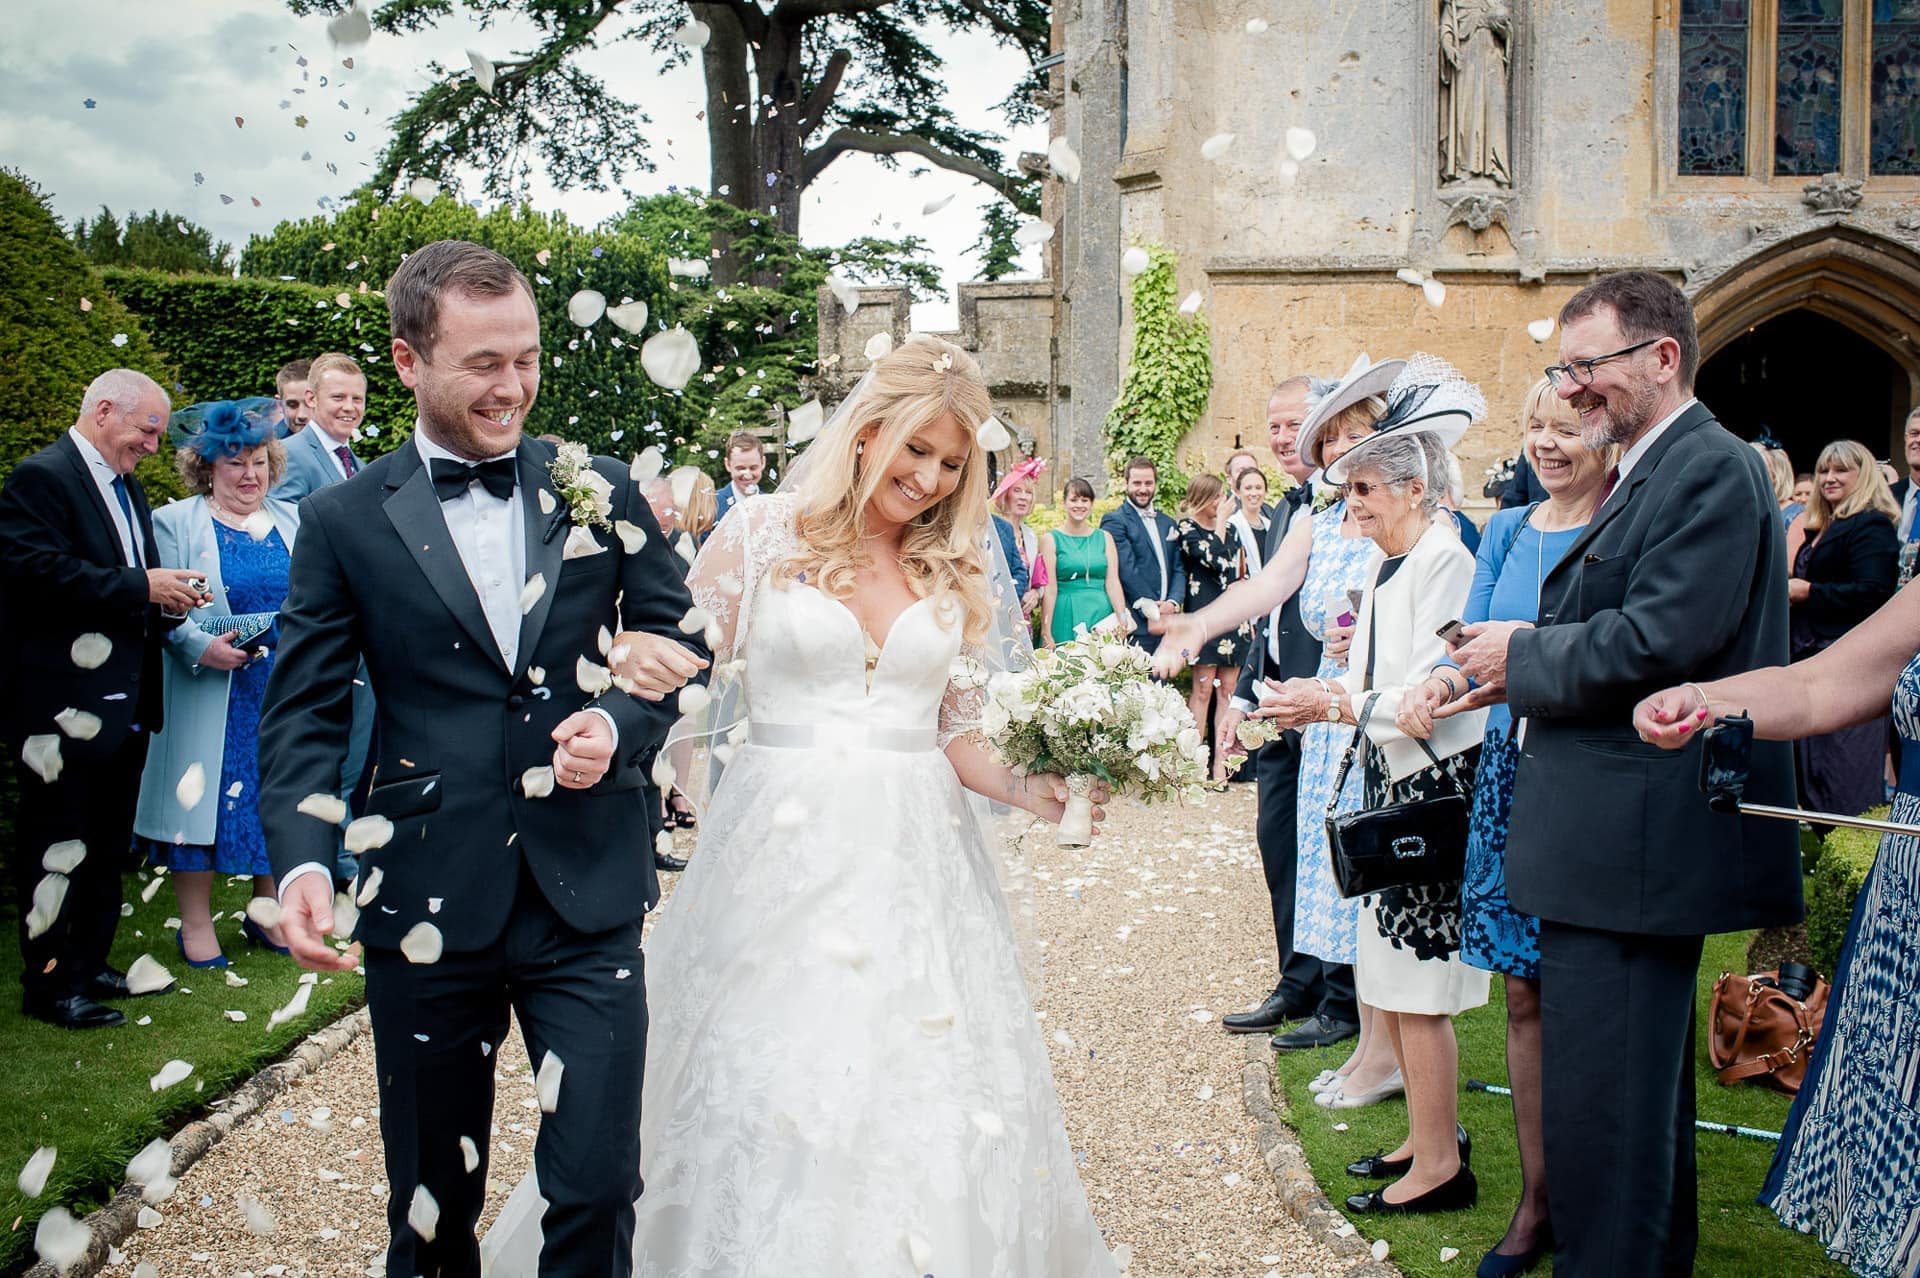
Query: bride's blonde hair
point(923, 380)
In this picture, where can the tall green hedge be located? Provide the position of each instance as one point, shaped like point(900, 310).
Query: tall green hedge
point(1845, 861)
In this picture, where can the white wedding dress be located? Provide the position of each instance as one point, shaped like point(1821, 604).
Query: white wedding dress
point(845, 1077)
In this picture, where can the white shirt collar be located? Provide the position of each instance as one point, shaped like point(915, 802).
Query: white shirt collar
point(431, 451)
point(1632, 456)
point(92, 456)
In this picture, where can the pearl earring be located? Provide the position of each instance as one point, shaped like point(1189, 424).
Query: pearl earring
point(860, 448)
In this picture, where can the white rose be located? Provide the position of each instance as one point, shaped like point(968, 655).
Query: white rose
point(994, 720)
point(1188, 742)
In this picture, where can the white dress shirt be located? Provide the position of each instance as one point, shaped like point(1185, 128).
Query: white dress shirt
point(1154, 537)
point(334, 446)
point(1631, 458)
point(103, 477)
point(491, 540)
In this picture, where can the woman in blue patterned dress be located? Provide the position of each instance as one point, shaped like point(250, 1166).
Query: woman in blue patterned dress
point(199, 813)
point(1848, 1166)
point(1520, 546)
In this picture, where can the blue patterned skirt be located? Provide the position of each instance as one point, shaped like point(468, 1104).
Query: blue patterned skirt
point(1493, 935)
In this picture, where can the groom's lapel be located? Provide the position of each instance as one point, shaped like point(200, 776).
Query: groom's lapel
point(545, 554)
point(414, 511)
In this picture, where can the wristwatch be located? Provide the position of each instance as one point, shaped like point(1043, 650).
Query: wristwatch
point(1333, 708)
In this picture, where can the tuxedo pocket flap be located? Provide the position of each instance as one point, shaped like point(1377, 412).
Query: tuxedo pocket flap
point(415, 794)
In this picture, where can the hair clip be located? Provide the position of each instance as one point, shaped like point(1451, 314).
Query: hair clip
point(944, 363)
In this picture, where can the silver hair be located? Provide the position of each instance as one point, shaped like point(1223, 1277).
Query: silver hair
point(1400, 458)
point(124, 388)
point(1456, 482)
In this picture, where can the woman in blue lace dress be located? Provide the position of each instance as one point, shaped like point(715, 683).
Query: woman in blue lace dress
point(1848, 1166)
point(1521, 545)
point(198, 813)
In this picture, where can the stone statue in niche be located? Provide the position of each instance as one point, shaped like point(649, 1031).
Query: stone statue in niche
point(1476, 50)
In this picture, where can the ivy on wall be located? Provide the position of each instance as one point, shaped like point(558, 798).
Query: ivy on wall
point(1169, 376)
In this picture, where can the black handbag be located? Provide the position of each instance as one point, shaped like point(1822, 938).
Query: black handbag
point(1418, 844)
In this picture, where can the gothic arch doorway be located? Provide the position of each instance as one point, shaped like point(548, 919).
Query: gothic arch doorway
point(1814, 339)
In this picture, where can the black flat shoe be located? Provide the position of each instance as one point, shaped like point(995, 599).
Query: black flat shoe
point(1278, 1010)
point(1457, 1193)
point(1374, 1167)
point(671, 864)
point(75, 1011)
point(1495, 1265)
point(1315, 1031)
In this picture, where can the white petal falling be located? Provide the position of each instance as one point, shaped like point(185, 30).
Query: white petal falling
point(1064, 160)
point(586, 307)
point(63, 857)
point(423, 1213)
point(919, 1253)
point(692, 268)
point(297, 1005)
point(33, 1177)
point(423, 189)
point(647, 465)
point(1289, 170)
point(804, 422)
point(1032, 232)
point(91, 650)
point(366, 833)
point(1300, 142)
point(632, 537)
point(259, 1219)
point(351, 28)
point(1541, 329)
point(49, 894)
point(845, 291)
point(879, 346)
point(41, 753)
point(841, 948)
point(935, 205)
point(693, 33)
point(694, 698)
point(670, 359)
point(80, 725)
point(684, 480)
point(153, 1164)
point(60, 1239)
point(1190, 305)
point(1256, 26)
point(192, 786)
point(530, 593)
point(547, 1081)
point(991, 1125)
point(1216, 146)
point(695, 621)
point(264, 911)
point(422, 944)
point(1407, 275)
point(993, 435)
point(469, 1153)
point(483, 70)
point(591, 677)
point(258, 525)
point(147, 975)
point(1435, 291)
point(662, 773)
point(346, 915)
point(1134, 261)
point(537, 783)
point(330, 808)
point(172, 1072)
point(628, 317)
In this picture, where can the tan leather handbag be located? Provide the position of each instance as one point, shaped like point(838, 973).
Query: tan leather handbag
point(1760, 1033)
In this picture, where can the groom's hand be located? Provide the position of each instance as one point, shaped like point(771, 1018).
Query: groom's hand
point(306, 916)
point(653, 665)
point(585, 750)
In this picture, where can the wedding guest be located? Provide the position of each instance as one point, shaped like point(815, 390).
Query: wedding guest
point(1210, 562)
point(1238, 463)
point(291, 385)
point(1679, 575)
point(1844, 571)
point(746, 463)
point(1012, 502)
point(241, 541)
point(1520, 547)
point(1843, 1170)
point(86, 607)
point(1150, 569)
point(1409, 968)
point(1083, 572)
point(1780, 471)
point(1802, 489)
point(1251, 519)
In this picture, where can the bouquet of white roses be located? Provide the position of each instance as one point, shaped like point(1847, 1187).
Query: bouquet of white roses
point(1090, 711)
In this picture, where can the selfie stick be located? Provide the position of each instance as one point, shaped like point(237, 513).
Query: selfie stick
point(1729, 1129)
point(1826, 818)
point(1725, 783)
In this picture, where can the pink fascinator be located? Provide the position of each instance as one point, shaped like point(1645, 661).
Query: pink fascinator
point(1028, 469)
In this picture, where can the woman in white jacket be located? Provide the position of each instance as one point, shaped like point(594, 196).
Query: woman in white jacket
point(1409, 965)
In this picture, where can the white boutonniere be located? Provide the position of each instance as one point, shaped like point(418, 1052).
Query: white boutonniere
point(1325, 498)
point(588, 495)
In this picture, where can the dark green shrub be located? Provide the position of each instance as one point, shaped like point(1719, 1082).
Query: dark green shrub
point(1831, 889)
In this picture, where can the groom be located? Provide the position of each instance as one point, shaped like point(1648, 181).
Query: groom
point(515, 872)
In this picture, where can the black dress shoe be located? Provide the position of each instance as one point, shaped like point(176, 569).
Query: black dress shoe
point(1375, 1167)
point(107, 983)
point(75, 1011)
point(1457, 1193)
point(1315, 1031)
point(1495, 1265)
point(672, 864)
point(1270, 1015)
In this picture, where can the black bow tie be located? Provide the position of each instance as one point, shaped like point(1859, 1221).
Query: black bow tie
point(451, 478)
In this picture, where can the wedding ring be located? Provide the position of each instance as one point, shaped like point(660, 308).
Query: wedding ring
point(576, 776)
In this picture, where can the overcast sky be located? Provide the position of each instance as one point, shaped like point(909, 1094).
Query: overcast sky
point(128, 102)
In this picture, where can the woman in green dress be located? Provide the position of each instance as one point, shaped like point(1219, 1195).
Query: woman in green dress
point(1083, 573)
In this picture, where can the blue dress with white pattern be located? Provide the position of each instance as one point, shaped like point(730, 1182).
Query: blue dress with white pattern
point(1848, 1168)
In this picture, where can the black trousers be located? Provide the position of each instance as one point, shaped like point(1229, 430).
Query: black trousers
point(1327, 988)
point(1617, 1059)
point(436, 1028)
point(92, 801)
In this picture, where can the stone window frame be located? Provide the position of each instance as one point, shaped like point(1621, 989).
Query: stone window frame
point(1763, 64)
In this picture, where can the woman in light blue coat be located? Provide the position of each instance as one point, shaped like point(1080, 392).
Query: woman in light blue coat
point(199, 813)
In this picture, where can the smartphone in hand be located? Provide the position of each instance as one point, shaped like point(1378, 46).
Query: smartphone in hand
point(1450, 633)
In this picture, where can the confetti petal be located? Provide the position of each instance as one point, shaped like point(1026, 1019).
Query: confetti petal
point(804, 422)
point(1256, 26)
point(695, 621)
point(537, 783)
point(1381, 1248)
point(586, 307)
point(689, 267)
point(422, 943)
point(259, 1220)
point(628, 317)
point(469, 1153)
point(366, 833)
point(297, 1005)
point(423, 1213)
point(1436, 292)
point(147, 975)
point(647, 465)
point(154, 1163)
point(530, 593)
point(993, 435)
point(63, 857)
point(1541, 329)
point(632, 536)
point(1134, 261)
point(1064, 160)
point(91, 650)
point(936, 1026)
point(1032, 232)
point(592, 677)
point(1449, 1254)
point(919, 1253)
point(547, 1082)
point(879, 346)
point(264, 911)
point(192, 786)
point(845, 292)
point(329, 808)
point(1407, 275)
point(934, 206)
point(1190, 304)
point(694, 698)
point(258, 525)
point(350, 28)
point(483, 72)
point(1289, 169)
point(693, 33)
point(49, 894)
point(423, 189)
point(81, 725)
point(1300, 142)
point(1216, 146)
point(41, 753)
point(33, 1177)
point(172, 1072)
point(60, 1239)
point(670, 359)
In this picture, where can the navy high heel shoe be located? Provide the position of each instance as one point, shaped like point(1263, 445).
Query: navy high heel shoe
point(1495, 1265)
point(258, 936)
point(218, 960)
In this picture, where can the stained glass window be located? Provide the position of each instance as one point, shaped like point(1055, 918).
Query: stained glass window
point(1806, 103)
point(1895, 88)
point(1713, 87)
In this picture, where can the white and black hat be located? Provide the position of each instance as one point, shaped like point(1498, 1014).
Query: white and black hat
point(1428, 397)
point(1364, 379)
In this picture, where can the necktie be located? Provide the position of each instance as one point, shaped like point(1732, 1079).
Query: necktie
point(133, 525)
point(450, 478)
point(1907, 511)
point(1606, 489)
point(347, 463)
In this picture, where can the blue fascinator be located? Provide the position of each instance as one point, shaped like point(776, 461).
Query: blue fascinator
point(228, 427)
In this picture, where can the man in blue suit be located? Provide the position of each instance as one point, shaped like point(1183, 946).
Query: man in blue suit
point(321, 455)
point(1150, 566)
point(746, 462)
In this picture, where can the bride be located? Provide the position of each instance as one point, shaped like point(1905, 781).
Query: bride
point(844, 1075)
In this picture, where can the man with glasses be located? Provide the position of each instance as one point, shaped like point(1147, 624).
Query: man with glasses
point(1680, 575)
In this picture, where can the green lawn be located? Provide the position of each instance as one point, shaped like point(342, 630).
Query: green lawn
point(1737, 1237)
point(87, 1093)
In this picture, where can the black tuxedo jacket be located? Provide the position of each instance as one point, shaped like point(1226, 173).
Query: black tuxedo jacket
point(375, 575)
point(1299, 650)
point(1680, 576)
point(1850, 571)
point(63, 574)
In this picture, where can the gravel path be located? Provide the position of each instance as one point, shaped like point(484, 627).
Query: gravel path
point(1153, 933)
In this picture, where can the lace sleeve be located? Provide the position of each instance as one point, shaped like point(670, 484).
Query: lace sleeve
point(729, 566)
point(965, 698)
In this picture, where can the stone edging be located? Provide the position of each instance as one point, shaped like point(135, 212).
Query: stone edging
point(1299, 1193)
point(118, 1219)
